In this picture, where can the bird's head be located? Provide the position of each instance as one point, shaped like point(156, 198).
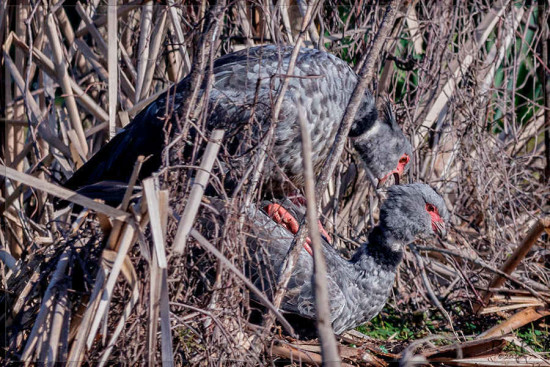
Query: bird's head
point(413, 211)
point(383, 146)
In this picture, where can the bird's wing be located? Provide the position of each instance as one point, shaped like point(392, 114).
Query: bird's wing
point(269, 245)
point(300, 298)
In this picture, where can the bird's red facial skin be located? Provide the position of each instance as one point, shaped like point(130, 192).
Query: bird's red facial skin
point(399, 170)
point(437, 221)
point(403, 161)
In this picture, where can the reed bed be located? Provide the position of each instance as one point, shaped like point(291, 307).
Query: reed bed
point(159, 279)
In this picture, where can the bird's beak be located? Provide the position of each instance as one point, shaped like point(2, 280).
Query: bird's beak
point(396, 176)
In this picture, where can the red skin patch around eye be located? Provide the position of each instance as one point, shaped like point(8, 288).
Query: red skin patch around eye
point(403, 161)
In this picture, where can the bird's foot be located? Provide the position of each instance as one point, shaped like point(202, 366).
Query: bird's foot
point(300, 201)
point(282, 216)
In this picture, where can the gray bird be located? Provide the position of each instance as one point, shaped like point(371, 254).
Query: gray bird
point(359, 287)
point(244, 89)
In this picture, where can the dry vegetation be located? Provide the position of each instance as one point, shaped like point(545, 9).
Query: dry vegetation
point(470, 82)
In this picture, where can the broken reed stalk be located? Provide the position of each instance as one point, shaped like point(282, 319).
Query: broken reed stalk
point(128, 237)
point(76, 354)
point(154, 50)
point(518, 320)
point(517, 256)
point(129, 273)
point(143, 47)
point(197, 191)
point(174, 18)
point(112, 62)
point(151, 197)
point(60, 318)
point(155, 284)
point(117, 226)
point(64, 80)
point(329, 349)
point(164, 297)
point(63, 193)
point(167, 350)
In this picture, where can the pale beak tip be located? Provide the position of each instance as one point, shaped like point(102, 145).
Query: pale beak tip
point(396, 178)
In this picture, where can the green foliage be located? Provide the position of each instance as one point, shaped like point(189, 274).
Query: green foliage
point(189, 340)
point(536, 336)
point(407, 327)
point(390, 324)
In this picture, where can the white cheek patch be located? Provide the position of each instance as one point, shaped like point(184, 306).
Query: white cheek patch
point(395, 247)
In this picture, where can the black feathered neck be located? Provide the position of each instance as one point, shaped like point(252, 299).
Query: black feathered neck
point(385, 250)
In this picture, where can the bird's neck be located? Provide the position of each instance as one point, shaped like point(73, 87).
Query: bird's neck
point(382, 248)
point(365, 117)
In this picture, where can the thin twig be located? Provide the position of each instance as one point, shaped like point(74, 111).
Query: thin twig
point(484, 265)
point(515, 259)
point(143, 47)
point(430, 290)
point(151, 196)
point(329, 349)
point(290, 260)
point(214, 251)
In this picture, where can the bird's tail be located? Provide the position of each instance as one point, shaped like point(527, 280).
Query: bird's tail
point(95, 169)
point(144, 136)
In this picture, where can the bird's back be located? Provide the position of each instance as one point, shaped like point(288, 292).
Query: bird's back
point(244, 91)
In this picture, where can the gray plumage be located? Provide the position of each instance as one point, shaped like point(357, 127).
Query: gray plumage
point(358, 288)
point(244, 90)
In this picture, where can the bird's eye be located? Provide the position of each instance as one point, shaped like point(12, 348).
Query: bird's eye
point(430, 208)
point(404, 159)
